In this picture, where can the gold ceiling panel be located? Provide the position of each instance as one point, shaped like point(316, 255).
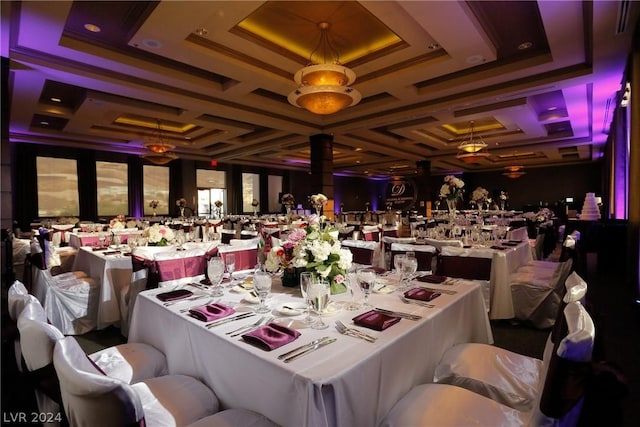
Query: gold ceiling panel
point(291, 26)
point(152, 123)
point(480, 125)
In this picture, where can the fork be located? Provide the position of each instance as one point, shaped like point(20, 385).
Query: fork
point(417, 302)
point(193, 298)
point(251, 327)
point(241, 328)
point(343, 329)
point(184, 310)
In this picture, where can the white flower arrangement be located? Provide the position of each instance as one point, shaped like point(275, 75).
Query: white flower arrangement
point(117, 223)
point(480, 195)
point(452, 188)
point(314, 250)
point(159, 235)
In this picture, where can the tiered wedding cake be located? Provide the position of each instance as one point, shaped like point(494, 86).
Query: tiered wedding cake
point(590, 209)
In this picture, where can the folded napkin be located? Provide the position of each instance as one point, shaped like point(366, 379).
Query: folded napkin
point(510, 243)
point(210, 312)
point(174, 295)
point(500, 248)
point(432, 278)
point(271, 336)
point(111, 253)
point(375, 320)
point(516, 242)
point(421, 294)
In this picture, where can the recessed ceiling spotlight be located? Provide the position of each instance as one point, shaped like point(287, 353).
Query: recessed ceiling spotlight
point(552, 108)
point(202, 31)
point(44, 123)
point(434, 46)
point(55, 99)
point(152, 44)
point(92, 27)
point(524, 45)
point(475, 59)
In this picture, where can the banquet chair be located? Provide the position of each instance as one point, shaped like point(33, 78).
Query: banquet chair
point(246, 255)
point(569, 250)
point(248, 234)
point(363, 252)
point(94, 399)
point(234, 417)
point(226, 235)
point(519, 233)
point(504, 376)
point(467, 264)
point(425, 254)
point(371, 233)
point(559, 395)
point(177, 268)
point(141, 279)
point(17, 299)
point(536, 299)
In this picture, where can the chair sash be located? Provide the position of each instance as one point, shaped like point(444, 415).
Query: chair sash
point(246, 258)
point(173, 270)
point(424, 254)
point(464, 267)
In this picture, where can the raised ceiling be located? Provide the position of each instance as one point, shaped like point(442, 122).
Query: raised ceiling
point(538, 79)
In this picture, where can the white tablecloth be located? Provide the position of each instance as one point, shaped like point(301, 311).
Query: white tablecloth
point(504, 262)
point(113, 273)
point(348, 383)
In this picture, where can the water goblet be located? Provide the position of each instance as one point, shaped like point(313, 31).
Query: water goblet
point(409, 268)
point(319, 292)
point(230, 261)
point(367, 279)
point(215, 271)
point(352, 282)
point(262, 286)
point(102, 238)
point(305, 280)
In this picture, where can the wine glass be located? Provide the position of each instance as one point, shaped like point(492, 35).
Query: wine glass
point(409, 268)
point(230, 261)
point(367, 279)
point(180, 239)
point(352, 282)
point(102, 238)
point(262, 286)
point(215, 271)
point(305, 280)
point(318, 293)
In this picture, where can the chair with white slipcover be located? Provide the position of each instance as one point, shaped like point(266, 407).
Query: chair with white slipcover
point(504, 376)
point(364, 252)
point(559, 398)
point(93, 399)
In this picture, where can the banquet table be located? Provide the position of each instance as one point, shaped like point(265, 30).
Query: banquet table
point(504, 262)
point(348, 383)
point(81, 238)
point(112, 272)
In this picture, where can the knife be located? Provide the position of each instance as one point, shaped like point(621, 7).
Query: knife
point(302, 347)
point(229, 319)
point(442, 291)
point(398, 314)
point(309, 350)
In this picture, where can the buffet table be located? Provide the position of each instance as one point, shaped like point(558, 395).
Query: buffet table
point(348, 383)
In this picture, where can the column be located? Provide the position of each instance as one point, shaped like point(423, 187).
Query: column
point(322, 164)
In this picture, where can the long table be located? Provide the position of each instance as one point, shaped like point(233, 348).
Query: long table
point(348, 383)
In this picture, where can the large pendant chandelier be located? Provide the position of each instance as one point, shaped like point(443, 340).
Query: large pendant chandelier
point(514, 172)
point(159, 149)
point(472, 149)
point(323, 88)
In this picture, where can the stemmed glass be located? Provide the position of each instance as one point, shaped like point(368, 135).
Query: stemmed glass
point(262, 286)
point(230, 261)
point(409, 268)
point(367, 279)
point(352, 282)
point(215, 271)
point(180, 239)
point(397, 264)
point(102, 238)
point(318, 293)
point(305, 281)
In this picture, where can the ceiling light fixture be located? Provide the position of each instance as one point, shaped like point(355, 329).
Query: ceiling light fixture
point(323, 88)
point(514, 172)
point(159, 150)
point(472, 150)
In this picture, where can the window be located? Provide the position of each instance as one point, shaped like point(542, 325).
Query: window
point(275, 189)
point(250, 190)
point(156, 187)
point(211, 188)
point(57, 182)
point(112, 188)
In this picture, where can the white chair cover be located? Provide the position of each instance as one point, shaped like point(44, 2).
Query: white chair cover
point(246, 256)
point(92, 399)
point(364, 252)
point(519, 233)
point(234, 417)
point(17, 298)
point(447, 405)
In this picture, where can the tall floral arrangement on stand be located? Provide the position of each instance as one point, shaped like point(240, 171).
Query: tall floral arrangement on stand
point(154, 205)
point(288, 201)
point(181, 203)
point(218, 205)
point(255, 204)
point(318, 201)
point(311, 249)
point(504, 196)
point(452, 190)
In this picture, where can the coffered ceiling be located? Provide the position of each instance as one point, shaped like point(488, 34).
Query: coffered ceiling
point(539, 80)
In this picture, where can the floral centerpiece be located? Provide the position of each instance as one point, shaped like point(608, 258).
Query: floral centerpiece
point(255, 204)
point(311, 249)
point(181, 203)
point(288, 201)
point(451, 191)
point(154, 205)
point(117, 223)
point(158, 235)
point(480, 196)
point(318, 201)
point(504, 196)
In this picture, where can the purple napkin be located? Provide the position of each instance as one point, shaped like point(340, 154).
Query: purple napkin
point(421, 294)
point(174, 295)
point(210, 312)
point(500, 248)
point(510, 243)
point(375, 320)
point(271, 336)
point(432, 278)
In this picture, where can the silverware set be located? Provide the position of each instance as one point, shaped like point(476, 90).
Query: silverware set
point(252, 327)
point(408, 316)
point(416, 302)
point(292, 355)
point(353, 332)
point(229, 319)
point(193, 298)
point(185, 310)
point(442, 291)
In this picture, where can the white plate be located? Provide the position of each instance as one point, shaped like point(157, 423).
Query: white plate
point(241, 289)
point(292, 309)
point(332, 309)
point(383, 286)
point(250, 299)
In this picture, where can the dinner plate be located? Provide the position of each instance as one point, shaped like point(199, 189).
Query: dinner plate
point(332, 309)
point(250, 299)
point(383, 286)
point(292, 308)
